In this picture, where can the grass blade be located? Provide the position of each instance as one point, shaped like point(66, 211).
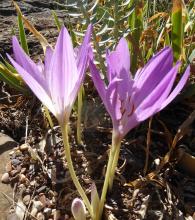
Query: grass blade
point(22, 34)
point(177, 29)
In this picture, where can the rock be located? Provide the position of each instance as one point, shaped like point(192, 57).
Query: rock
point(47, 211)
point(40, 216)
point(12, 216)
point(38, 205)
point(34, 211)
point(13, 173)
point(6, 146)
point(23, 178)
point(5, 178)
point(24, 147)
point(15, 162)
point(43, 199)
point(8, 166)
point(26, 199)
point(41, 189)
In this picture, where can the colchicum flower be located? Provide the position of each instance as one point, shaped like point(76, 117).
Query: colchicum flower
point(56, 83)
point(129, 100)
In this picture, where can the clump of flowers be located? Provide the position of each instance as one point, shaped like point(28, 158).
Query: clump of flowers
point(129, 100)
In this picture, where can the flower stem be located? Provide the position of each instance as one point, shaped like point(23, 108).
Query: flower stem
point(114, 165)
point(71, 169)
point(79, 111)
point(115, 144)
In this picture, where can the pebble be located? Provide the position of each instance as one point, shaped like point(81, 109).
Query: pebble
point(41, 189)
point(47, 211)
point(38, 205)
point(23, 178)
point(15, 162)
point(5, 178)
point(26, 199)
point(40, 216)
point(8, 166)
point(13, 173)
point(24, 147)
point(34, 211)
point(43, 199)
point(23, 170)
point(11, 153)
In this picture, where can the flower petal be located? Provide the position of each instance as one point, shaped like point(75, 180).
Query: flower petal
point(177, 89)
point(154, 71)
point(47, 62)
point(82, 63)
point(62, 74)
point(98, 82)
point(118, 60)
point(24, 60)
point(35, 86)
point(113, 101)
point(82, 56)
point(152, 103)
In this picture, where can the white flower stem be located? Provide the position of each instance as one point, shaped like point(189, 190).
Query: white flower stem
point(114, 165)
point(71, 169)
point(116, 142)
point(79, 114)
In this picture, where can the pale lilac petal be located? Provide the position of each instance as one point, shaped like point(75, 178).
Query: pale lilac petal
point(98, 82)
point(24, 60)
point(151, 104)
point(118, 60)
point(82, 56)
point(154, 71)
point(63, 71)
point(177, 89)
point(129, 124)
point(82, 62)
point(113, 102)
point(47, 62)
point(125, 86)
point(39, 90)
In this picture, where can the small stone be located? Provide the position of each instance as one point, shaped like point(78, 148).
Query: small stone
point(8, 166)
point(47, 211)
point(18, 168)
point(11, 153)
point(13, 173)
point(40, 216)
point(26, 199)
point(12, 216)
point(15, 162)
point(23, 170)
point(5, 178)
point(43, 199)
point(41, 189)
point(24, 147)
point(18, 153)
point(34, 211)
point(23, 178)
point(38, 205)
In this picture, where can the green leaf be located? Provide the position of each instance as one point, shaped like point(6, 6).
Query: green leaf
point(136, 27)
point(22, 34)
point(57, 22)
point(177, 29)
point(14, 80)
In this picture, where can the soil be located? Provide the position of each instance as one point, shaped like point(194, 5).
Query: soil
point(38, 172)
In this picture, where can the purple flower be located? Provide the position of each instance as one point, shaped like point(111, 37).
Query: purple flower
point(129, 100)
point(56, 83)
